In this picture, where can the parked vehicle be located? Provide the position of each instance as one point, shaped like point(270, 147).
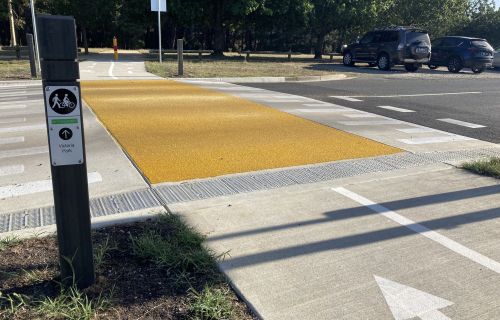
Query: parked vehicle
point(387, 47)
point(496, 60)
point(457, 53)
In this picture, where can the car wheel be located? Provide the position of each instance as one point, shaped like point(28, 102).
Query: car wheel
point(411, 67)
point(432, 67)
point(455, 65)
point(478, 69)
point(384, 62)
point(348, 59)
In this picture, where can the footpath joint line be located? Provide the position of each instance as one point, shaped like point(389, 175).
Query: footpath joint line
point(422, 230)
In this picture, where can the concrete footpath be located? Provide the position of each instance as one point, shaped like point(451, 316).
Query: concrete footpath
point(406, 244)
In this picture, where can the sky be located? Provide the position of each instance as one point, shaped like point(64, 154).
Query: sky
point(497, 3)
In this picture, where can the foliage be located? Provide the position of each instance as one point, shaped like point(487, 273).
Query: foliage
point(237, 25)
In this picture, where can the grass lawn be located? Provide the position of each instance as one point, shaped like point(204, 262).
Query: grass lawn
point(152, 270)
point(490, 167)
point(15, 70)
point(235, 66)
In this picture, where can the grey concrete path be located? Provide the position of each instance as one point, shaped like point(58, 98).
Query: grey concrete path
point(412, 244)
point(130, 65)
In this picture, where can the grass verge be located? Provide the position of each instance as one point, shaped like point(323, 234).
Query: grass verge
point(15, 70)
point(234, 66)
point(488, 167)
point(152, 270)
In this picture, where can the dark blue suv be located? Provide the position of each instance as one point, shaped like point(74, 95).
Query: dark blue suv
point(457, 53)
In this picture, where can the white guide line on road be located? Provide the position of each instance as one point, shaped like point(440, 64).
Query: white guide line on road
point(23, 152)
point(462, 123)
point(323, 105)
point(23, 128)
point(11, 140)
point(408, 303)
point(422, 230)
point(130, 72)
point(12, 93)
point(12, 120)
point(11, 170)
point(439, 139)
point(25, 102)
point(285, 100)
point(23, 189)
point(351, 99)
point(396, 109)
point(11, 106)
point(110, 70)
point(418, 130)
point(420, 95)
point(21, 113)
point(361, 115)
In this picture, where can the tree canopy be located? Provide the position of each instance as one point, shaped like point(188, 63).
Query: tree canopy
point(221, 25)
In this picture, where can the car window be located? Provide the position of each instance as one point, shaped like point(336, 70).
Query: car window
point(377, 37)
point(437, 42)
point(481, 44)
point(414, 37)
point(448, 42)
point(367, 38)
point(390, 36)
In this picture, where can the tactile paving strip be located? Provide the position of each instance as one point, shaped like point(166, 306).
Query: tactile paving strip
point(243, 183)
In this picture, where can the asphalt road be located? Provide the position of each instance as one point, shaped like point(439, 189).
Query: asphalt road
point(424, 100)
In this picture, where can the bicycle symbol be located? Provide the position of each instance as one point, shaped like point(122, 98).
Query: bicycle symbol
point(62, 101)
point(65, 103)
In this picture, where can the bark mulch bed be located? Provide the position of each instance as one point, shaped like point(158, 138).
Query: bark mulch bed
point(152, 270)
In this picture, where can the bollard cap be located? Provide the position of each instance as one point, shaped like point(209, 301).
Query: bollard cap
point(56, 37)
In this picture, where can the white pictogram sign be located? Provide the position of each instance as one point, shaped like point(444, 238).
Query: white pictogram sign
point(65, 125)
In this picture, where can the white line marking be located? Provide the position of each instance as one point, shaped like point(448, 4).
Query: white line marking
point(370, 123)
point(7, 103)
point(320, 110)
point(130, 72)
point(429, 140)
point(23, 128)
point(361, 115)
point(11, 170)
point(13, 93)
point(10, 107)
point(417, 130)
point(22, 189)
point(396, 109)
point(266, 96)
point(421, 95)
point(23, 152)
point(12, 120)
point(11, 140)
point(283, 100)
point(422, 230)
point(110, 70)
point(462, 123)
point(323, 105)
point(408, 303)
point(21, 113)
point(235, 88)
point(346, 98)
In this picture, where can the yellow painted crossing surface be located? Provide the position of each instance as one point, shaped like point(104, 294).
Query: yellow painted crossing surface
point(176, 131)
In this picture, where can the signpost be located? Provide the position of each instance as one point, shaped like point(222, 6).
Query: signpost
point(63, 110)
point(160, 6)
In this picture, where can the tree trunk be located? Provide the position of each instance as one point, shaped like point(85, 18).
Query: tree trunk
point(219, 40)
point(13, 38)
point(85, 40)
point(318, 49)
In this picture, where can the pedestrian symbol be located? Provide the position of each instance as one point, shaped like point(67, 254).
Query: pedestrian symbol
point(62, 101)
point(65, 133)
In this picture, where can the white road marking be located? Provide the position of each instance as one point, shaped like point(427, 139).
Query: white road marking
point(323, 105)
point(422, 230)
point(129, 72)
point(283, 100)
point(23, 128)
point(24, 102)
point(396, 109)
point(417, 130)
point(265, 96)
point(12, 93)
point(11, 170)
point(440, 139)
point(421, 95)
point(11, 140)
point(10, 107)
point(462, 123)
point(346, 98)
point(320, 110)
point(370, 123)
point(361, 115)
point(23, 152)
point(110, 70)
point(12, 120)
point(22, 189)
point(408, 303)
point(235, 88)
point(21, 113)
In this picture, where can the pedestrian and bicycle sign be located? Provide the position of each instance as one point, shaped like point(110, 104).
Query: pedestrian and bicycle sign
point(65, 130)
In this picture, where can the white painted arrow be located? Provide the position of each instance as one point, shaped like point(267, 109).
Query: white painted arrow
point(407, 303)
